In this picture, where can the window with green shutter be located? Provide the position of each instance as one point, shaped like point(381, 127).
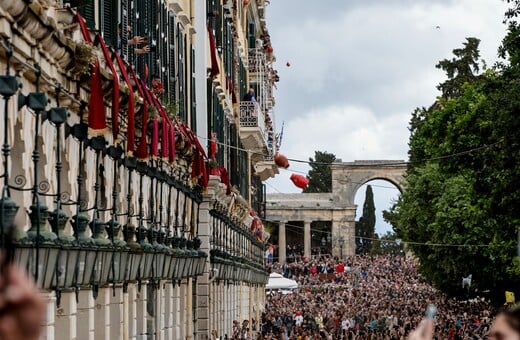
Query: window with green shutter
point(172, 59)
point(109, 19)
point(181, 70)
point(193, 98)
point(251, 34)
point(162, 44)
point(87, 10)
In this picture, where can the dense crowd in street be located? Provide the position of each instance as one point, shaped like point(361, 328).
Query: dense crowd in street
point(364, 297)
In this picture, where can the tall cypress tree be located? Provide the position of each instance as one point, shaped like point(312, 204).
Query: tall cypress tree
point(365, 227)
point(320, 175)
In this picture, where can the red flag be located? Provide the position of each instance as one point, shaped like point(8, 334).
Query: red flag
point(97, 124)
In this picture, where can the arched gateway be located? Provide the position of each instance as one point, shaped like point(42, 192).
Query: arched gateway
point(337, 206)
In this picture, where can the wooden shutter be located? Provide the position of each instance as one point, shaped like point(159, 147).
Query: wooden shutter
point(109, 20)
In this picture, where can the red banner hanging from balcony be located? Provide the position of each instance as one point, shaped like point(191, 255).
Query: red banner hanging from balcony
point(115, 87)
point(224, 178)
point(172, 143)
point(130, 130)
point(155, 138)
point(215, 70)
point(142, 149)
point(97, 124)
point(83, 27)
point(165, 140)
point(300, 181)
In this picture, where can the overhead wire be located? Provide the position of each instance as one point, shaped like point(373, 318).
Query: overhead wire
point(353, 164)
point(398, 242)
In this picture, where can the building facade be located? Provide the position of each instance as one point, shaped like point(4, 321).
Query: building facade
point(132, 162)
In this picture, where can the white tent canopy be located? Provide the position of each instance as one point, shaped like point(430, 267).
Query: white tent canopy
point(277, 281)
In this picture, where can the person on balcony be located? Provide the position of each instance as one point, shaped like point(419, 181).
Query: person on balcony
point(157, 87)
point(250, 95)
point(135, 40)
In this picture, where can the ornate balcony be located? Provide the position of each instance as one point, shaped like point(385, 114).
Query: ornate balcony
point(258, 136)
point(267, 168)
point(256, 65)
point(253, 132)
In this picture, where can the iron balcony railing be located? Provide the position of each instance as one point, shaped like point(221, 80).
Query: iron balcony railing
point(252, 119)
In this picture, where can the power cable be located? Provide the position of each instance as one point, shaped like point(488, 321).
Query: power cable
point(353, 164)
point(382, 240)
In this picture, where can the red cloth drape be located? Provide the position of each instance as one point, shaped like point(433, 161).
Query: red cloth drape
point(172, 144)
point(165, 139)
point(115, 85)
point(213, 51)
point(155, 138)
point(97, 124)
point(130, 131)
point(83, 27)
point(142, 148)
point(224, 177)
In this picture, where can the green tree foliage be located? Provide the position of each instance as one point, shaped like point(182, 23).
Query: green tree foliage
point(320, 175)
point(365, 227)
point(460, 69)
point(463, 185)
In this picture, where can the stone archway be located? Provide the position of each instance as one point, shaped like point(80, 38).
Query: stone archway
point(337, 206)
point(347, 178)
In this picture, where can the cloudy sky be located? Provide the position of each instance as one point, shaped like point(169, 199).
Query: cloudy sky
point(358, 68)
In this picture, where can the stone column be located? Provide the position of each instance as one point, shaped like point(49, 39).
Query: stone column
point(159, 312)
point(65, 322)
point(85, 316)
point(132, 311)
point(142, 312)
point(116, 312)
point(49, 322)
point(182, 318)
point(168, 311)
point(307, 239)
point(203, 317)
point(177, 311)
point(343, 225)
point(102, 315)
point(189, 309)
point(281, 243)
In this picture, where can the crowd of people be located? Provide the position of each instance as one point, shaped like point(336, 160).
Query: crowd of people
point(365, 297)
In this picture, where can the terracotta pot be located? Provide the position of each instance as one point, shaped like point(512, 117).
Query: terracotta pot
point(281, 161)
